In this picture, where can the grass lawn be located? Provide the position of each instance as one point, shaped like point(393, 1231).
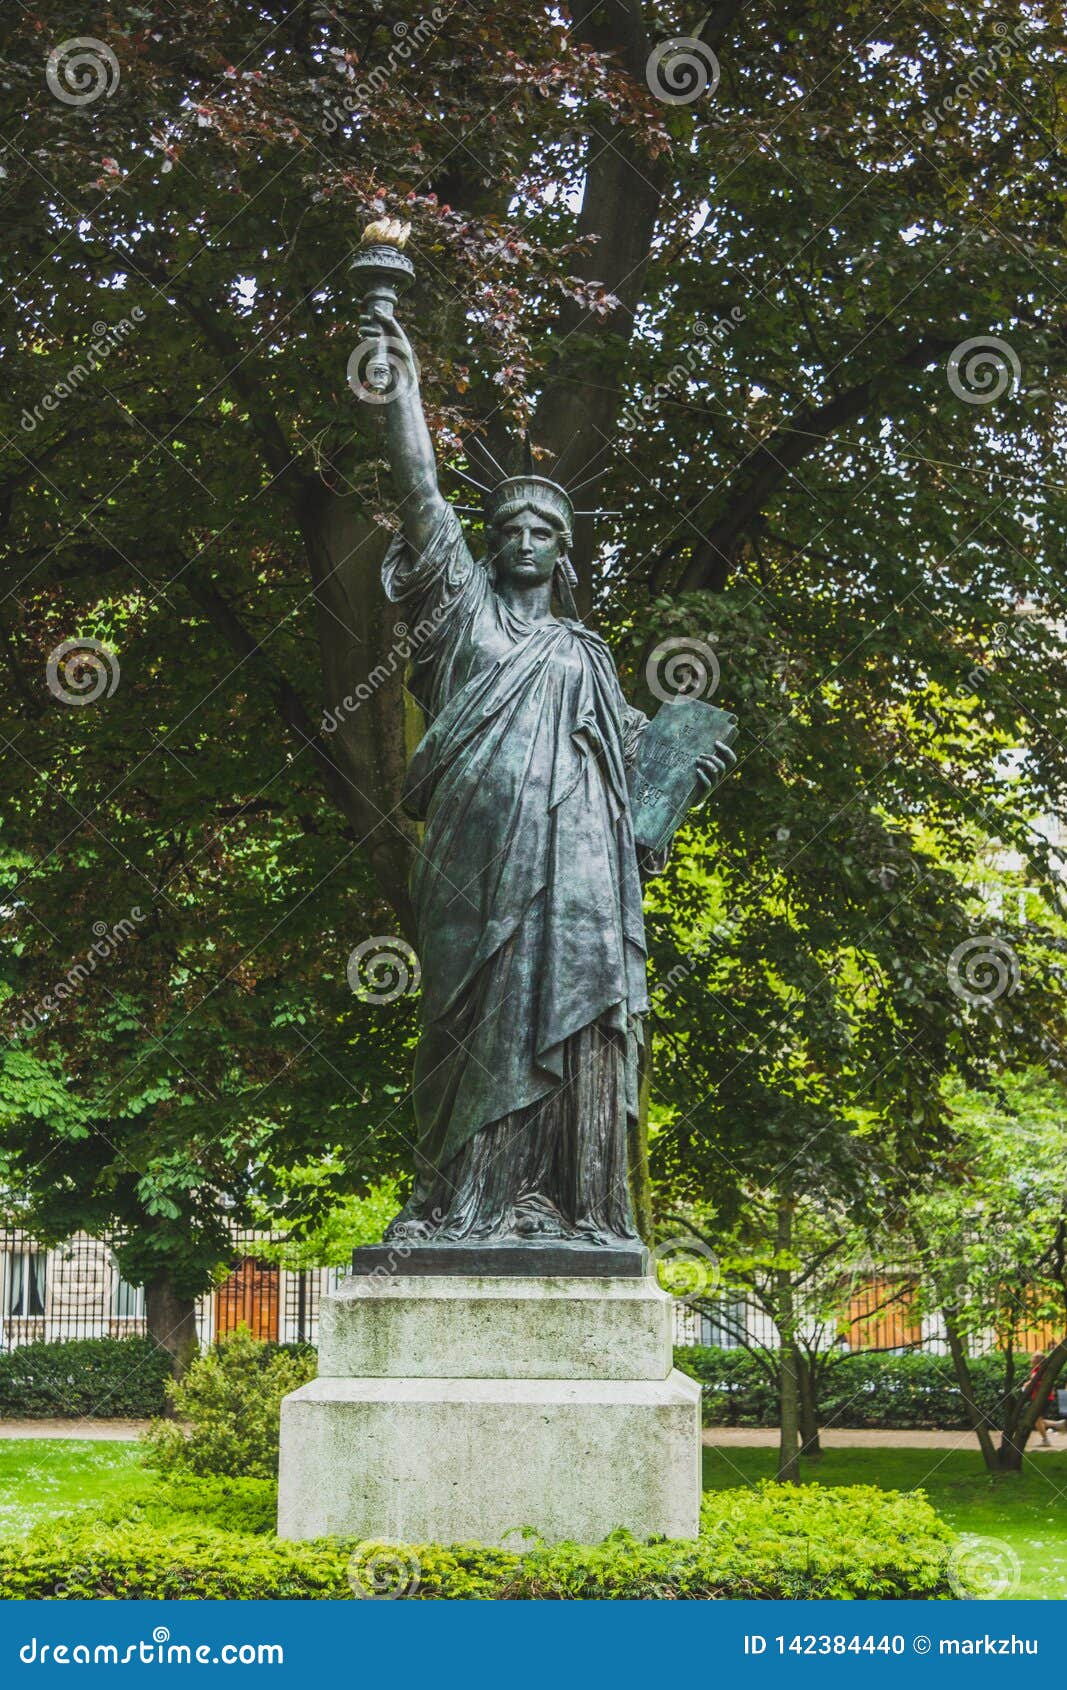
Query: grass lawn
point(1027, 1511)
point(43, 1477)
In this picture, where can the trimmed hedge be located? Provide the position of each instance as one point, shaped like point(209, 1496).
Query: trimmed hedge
point(858, 1389)
point(107, 1378)
point(126, 1378)
point(206, 1539)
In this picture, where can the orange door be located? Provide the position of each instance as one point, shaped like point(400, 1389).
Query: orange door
point(248, 1298)
point(881, 1315)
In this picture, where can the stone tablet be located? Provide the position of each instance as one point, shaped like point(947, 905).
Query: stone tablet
point(663, 781)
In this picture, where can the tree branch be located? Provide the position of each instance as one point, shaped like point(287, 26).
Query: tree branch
point(759, 479)
point(240, 372)
point(222, 616)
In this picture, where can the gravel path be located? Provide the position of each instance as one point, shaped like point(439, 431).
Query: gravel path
point(723, 1437)
point(766, 1437)
point(97, 1431)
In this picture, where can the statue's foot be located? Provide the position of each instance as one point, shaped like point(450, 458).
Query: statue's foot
point(533, 1226)
point(590, 1233)
point(535, 1216)
point(532, 1217)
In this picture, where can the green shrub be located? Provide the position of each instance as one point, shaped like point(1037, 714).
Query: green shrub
point(241, 1505)
point(229, 1406)
point(203, 1538)
point(109, 1378)
point(856, 1389)
point(735, 1391)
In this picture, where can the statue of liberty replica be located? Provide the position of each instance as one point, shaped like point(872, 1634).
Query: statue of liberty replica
point(504, 1359)
point(526, 887)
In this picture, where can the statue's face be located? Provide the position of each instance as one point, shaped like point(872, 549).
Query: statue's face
point(526, 548)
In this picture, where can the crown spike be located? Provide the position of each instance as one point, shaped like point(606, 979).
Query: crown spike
point(561, 457)
point(476, 440)
point(588, 482)
point(469, 479)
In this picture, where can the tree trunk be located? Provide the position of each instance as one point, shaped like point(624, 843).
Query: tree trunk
point(966, 1385)
point(789, 1395)
point(581, 395)
point(1009, 1456)
point(365, 645)
point(171, 1322)
point(809, 1418)
point(788, 1438)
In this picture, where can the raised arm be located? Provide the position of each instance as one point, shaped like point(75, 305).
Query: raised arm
point(411, 456)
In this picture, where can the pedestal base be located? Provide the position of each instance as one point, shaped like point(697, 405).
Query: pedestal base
point(476, 1460)
point(415, 1327)
point(523, 1261)
point(457, 1410)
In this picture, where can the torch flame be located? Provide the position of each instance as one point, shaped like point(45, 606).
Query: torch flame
point(387, 231)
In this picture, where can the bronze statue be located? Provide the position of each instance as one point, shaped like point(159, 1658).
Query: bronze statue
point(526, 886)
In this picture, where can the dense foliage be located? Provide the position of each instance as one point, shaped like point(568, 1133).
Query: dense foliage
point(861, 1389)
point(208, 1541)
point(102, 1378)
point(749, 310)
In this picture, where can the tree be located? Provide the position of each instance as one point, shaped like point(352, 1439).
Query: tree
point(778, 1287)
point(990, 1228)
point(163, 1077)
point(754, 310)
point(322, 1223)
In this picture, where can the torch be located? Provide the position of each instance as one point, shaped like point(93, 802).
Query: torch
point(384, 273)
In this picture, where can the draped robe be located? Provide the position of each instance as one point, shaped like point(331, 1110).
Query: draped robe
point(527, 903)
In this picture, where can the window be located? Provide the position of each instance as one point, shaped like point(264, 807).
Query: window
point(25, 1283)
point(722, 1325)
point(127, 1301)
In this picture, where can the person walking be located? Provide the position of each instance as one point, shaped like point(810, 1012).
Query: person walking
point(1042, 1424)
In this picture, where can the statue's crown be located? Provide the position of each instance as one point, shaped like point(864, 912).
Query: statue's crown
point(531, 490)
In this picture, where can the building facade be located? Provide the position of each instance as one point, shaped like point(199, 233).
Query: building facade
point(75, 1290)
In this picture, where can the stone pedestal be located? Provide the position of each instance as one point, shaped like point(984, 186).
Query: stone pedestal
point(461, 1409)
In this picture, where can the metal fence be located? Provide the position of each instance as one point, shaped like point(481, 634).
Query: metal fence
point(75, 1290)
